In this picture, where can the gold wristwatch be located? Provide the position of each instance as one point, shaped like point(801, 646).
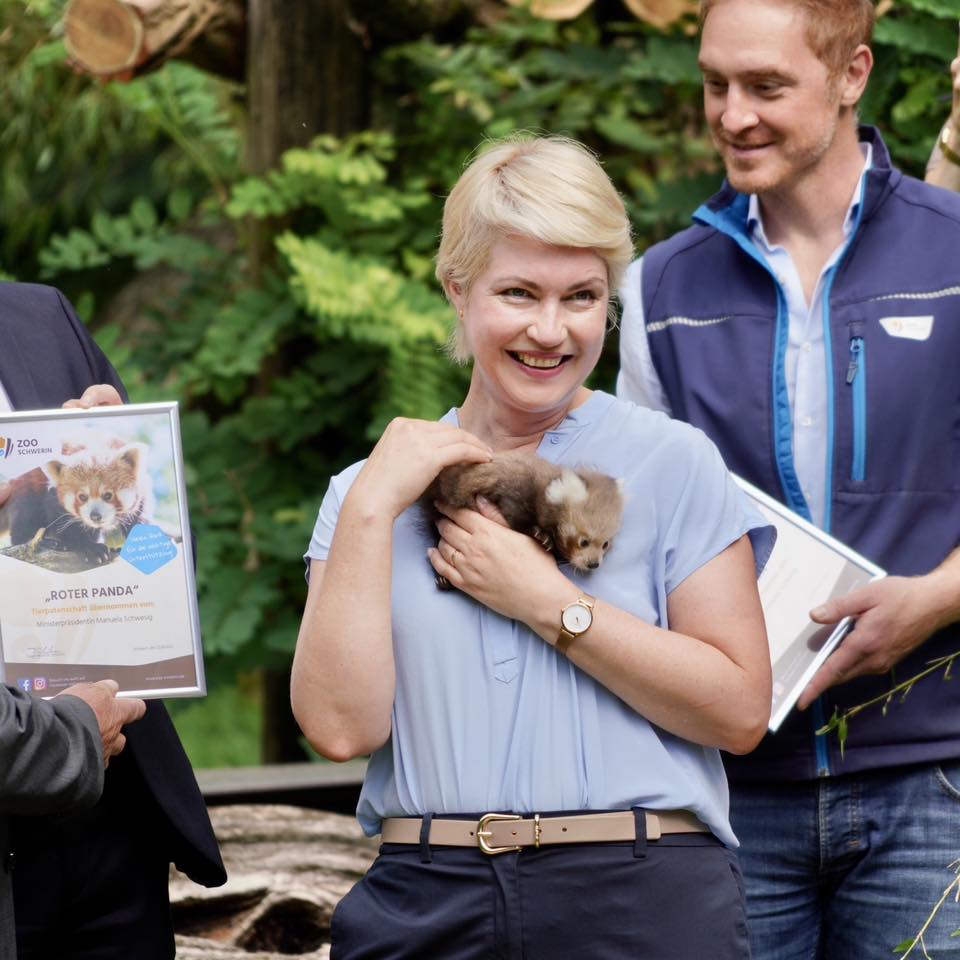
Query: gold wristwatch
point(945, 148)
point(575, 619)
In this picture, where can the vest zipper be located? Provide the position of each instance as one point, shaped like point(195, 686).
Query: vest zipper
point(822, 752)
point(857, 379)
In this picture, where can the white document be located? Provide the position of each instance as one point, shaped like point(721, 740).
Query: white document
point(806, 569)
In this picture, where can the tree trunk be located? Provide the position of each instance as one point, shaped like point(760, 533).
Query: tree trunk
point(121, 38)
point(305, 76)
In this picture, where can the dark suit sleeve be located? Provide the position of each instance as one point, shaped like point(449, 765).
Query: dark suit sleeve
point(48, 355)
point(51, 757)
point(101, 369)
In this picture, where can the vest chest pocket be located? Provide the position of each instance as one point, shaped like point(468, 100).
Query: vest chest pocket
point(897, 416)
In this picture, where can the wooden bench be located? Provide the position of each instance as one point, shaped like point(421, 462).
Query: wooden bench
point(320, 786)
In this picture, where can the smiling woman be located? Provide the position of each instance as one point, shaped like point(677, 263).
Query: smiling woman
point(565, 717)
point(504, 194)
point(533, 321)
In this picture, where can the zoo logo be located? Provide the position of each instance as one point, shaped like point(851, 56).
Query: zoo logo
point(6, 445)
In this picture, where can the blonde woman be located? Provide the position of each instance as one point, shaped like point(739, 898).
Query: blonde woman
point(533, 802)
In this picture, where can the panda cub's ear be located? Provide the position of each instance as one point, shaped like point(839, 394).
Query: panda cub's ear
point(53, 470)
point(567, 488)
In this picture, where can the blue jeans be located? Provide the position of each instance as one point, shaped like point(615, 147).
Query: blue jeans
point(848, 867)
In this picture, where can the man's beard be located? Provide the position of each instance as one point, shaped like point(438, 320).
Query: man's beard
point(781, 168)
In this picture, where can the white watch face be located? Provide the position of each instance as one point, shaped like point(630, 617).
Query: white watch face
point(576, 618)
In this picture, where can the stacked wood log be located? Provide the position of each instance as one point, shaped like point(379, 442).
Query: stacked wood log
point(658, 13)
point(117, 38)
point(288, 867)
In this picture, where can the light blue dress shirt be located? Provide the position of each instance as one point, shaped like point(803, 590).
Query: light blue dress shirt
point(804, 359)
point(487, 716)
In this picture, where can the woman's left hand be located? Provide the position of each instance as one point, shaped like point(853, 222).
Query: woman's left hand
point(495, 565)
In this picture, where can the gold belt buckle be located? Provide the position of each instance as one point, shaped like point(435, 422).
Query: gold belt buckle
point(483, 833)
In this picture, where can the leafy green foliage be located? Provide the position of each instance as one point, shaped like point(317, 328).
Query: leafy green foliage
point(909, 92)
point(629, 93)
point(132, 198)
point(222, 730)
point(72, 149)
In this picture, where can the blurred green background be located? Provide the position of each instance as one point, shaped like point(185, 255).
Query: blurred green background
point(289, 305)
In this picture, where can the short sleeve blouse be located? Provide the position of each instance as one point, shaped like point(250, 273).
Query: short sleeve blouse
point(488, 717)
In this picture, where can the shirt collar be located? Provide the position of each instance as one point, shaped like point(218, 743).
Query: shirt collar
point(591, 409)
point(755, 219)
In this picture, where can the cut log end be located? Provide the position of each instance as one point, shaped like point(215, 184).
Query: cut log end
point(554, 9)
point(661, 13)
point(104, 37)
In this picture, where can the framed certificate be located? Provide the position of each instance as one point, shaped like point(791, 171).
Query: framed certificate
point(95, 552)
point(807, 568)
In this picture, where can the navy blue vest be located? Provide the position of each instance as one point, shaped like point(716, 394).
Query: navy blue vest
point(716, 322)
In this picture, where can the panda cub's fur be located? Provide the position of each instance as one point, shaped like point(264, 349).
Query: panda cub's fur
point(573, 512)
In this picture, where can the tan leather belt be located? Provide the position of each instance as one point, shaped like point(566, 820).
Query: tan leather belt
point(506, 832)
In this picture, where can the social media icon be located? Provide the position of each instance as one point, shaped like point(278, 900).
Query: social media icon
point(39, 683)
point(25, 684)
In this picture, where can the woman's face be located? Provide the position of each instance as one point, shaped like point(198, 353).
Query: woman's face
point(534, 322)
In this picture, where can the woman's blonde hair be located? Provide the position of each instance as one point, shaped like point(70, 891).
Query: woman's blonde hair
point(550, 189)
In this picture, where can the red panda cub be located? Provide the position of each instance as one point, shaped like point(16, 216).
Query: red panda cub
point(573, 512)
point(87, 501)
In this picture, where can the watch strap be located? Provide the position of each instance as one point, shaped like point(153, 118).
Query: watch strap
point(564, 639)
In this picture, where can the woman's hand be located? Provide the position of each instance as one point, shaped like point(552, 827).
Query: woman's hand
point(495, 565)
point(407, 458)
point(707, 679)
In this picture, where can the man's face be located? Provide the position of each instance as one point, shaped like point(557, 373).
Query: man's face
point(772, 107)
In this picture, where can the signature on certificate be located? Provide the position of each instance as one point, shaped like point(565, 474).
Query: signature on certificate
point(43, 650)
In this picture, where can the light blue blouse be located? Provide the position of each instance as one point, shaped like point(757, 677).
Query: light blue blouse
point(488, 717)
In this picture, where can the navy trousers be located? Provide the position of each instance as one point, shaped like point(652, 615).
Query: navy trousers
point(677, 898)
